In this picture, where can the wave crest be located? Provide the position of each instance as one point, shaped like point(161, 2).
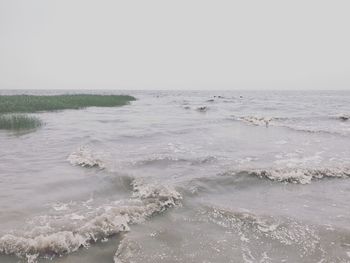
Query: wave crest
point(296, 123)
point(85, 157)
point(258, 121)
point(168, 160)
point(147, 200)
point(300, 175)
point(285, 231)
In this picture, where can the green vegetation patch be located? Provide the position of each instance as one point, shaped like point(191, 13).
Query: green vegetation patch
point(19, 122)
point(31, 103)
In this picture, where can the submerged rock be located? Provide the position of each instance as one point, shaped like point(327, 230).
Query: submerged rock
point(344, 117)
point(202, 108)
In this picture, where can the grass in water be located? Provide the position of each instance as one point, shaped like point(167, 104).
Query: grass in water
point(19, 122)
point(31, 103)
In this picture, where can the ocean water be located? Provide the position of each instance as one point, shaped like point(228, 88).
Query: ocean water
point(177, 176)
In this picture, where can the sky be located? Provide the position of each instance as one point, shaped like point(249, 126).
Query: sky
point(164, 44)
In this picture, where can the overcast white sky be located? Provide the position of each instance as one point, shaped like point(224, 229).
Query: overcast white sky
point(130, 44)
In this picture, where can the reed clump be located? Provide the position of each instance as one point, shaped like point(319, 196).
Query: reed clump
point(12, 107)
point(19, 122)
point(31, 103)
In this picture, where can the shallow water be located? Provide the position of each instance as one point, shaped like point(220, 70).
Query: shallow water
point(181, 177)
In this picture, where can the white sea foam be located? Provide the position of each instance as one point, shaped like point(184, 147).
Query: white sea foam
point(85, 157)
point(147, 199)
point(255, 120)
point(166, 160)
point(300, 175)
point(296, 159)
point(285, 231)
point(60, 207)
point(296, 124)
point(76, 217)
point(241, 232)
point(127, 249)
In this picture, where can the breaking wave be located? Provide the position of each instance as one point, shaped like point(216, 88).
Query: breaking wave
point(255, 120)
point(243, 232)
point(85, 157)
point(250, 226)
point(168, 160)
point(249, 178)
point(306, 239)
point(50, 240)
point(294, 123)
point(300, 175)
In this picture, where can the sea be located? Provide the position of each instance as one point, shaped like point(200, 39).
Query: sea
point(180, 176)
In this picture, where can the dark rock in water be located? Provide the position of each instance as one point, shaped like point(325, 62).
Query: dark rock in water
point(344, 117)
point(202, 108)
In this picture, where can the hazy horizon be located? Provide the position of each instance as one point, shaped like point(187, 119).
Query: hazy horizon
point(157, 45)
